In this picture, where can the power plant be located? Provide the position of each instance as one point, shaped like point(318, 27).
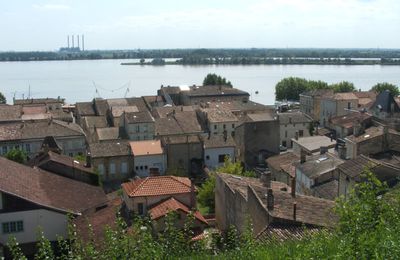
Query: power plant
point(80, 46)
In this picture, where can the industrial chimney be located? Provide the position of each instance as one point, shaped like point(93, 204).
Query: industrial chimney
point(73, 41)
point(68, 41)
point(83, 42)
point(78, 40)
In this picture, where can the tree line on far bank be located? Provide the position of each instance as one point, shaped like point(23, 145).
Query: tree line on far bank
point(291, 88)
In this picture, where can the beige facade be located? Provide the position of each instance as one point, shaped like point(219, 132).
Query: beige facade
point(118, 168)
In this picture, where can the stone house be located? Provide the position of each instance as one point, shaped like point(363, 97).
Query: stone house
point(29, 136)
point(113, 161)
point(291, 123)
point(338, 104)
point(267, 203)
point(219, 121)
point(316, 170)
point(195, 95)
point(385, 106)
point(31, 198)
point(50, 103)
point(282, 167)
point(312, 144)
point(157, 196)
point(138, 125)
point(149, 158)
point(343, 126)
point(216, 148)
point(351, 171)
point(310, 102)
point(257, 138)
point(184, 154)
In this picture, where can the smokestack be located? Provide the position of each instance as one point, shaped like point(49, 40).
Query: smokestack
point(78, 40)
point(73, 41)
point(83, 42)
point(68, 41)
point(270, 199)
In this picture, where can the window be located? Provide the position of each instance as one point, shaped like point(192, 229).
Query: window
point(141, 167)
point(233, 125)
point(137, 128)
point(286, 134)
point(13, 227)
point(5, 150)
point(28, 148)
point(100, 168)
point(137, 168)
point(221, 158)
point(224, 126)
point(215, 127)
point(207, 157)
point(284, 143)
point(71, 155)
point(145, 167)
point(348, 105)
point(112, 168)
point(301, 133)
point(124, 167)
point(140, 208)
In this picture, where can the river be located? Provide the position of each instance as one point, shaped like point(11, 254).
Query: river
point(77, 80)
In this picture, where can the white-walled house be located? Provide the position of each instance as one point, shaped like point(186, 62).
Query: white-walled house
point(149, 158)
point(31, 198)
point(292, 123)
point(216, 148)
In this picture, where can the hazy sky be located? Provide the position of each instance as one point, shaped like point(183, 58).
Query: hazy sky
point(130, 24)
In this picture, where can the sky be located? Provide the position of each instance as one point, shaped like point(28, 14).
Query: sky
point(39, 25)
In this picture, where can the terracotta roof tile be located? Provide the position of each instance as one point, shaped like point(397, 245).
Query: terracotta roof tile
point(171, 205)
point(156, 186)
point(148, 147)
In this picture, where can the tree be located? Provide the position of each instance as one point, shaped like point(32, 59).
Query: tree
point(291, 88)
point(2, 99)
point(17, 155)
point(343, 86)
point(214, 79)
point(380, 87)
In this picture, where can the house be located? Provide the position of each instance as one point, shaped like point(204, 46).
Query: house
point(385, 106)
point(267, 203)
point(316, 170)
point(343, 126)
point(257, 138)
point(239, 107)
point(90, 124)
point(219, 121)
point(107, 134)
point(216, 149)
point(195, 95)
point(312, 144)
point(29, 136)
point(291, 123)
point(373, 140)
point(365, 99)
point(31, 198)
point(184, 154)
point(138, 125)
point(351, 171)
point(338, 104)
point(10, 113)
point(149, 158)
point(113, 162)
point(49, 103)
point(282, 167)
point(177, 122)
point(158, 196)
point(65, 166)
point(310, 102)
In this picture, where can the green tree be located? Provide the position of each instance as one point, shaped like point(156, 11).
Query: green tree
point(215, 80)
point(17, 155)
point(380, 87)
point(2, 99)
point(343, 86)
point(291, 88)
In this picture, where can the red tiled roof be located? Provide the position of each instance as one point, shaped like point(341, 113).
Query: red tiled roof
point(156, 186)
point(170, 205)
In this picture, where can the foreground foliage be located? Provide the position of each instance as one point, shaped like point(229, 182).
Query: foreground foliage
point(368, 228)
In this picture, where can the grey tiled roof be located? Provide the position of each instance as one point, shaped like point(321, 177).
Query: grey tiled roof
point(110, 149)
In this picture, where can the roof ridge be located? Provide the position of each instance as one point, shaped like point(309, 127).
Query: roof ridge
point(178, 179)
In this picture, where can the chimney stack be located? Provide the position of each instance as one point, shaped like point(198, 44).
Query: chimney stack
point(357, 128)
point(265, 178)
point(342, 151)
point(323, 150)
point(88, 160)
point(68, 41)
point(293, 188)
point(294, 210)
point(303, 155)
point(192, 194)
point(78, 40)
point(270, 199)
point(73, 41)
point(296, 135)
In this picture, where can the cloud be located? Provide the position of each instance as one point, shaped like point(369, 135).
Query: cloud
point(52, 7)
